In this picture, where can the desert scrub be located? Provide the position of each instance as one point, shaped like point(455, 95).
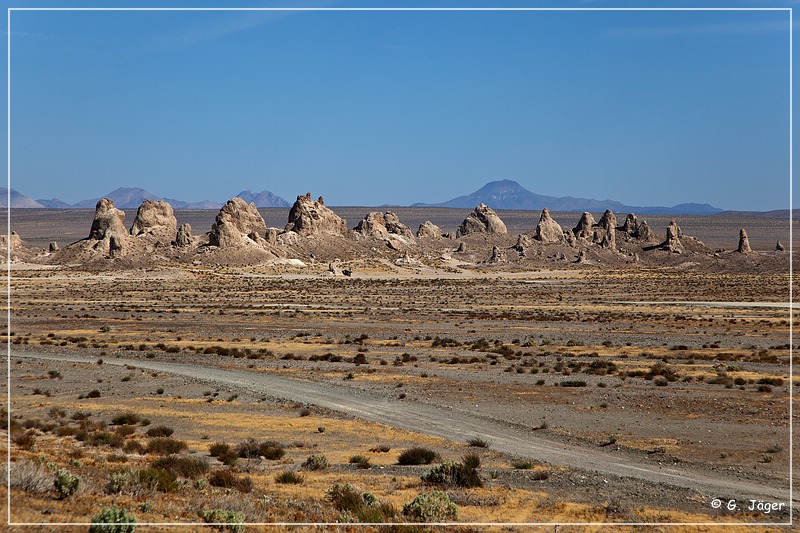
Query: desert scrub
point(287, 477)
point(30, 477)
point(113, 520)
point(157, 479)
point(360, 461)
point(228, 480)
point(224, 519)
point(417, 456)
point(252, 449)
point(224, 452)
point(452, 474)
point(66, 484)
point(434, 506)
point(477, 442)
point(315, 462)
point(189, 467)
point(160, 431)
point(126, 419)
point(346, 497)
point(165, 446)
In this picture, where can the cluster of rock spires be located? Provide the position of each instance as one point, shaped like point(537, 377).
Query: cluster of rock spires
point(239, 225)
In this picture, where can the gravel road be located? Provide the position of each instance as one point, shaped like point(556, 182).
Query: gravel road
point(455, 425)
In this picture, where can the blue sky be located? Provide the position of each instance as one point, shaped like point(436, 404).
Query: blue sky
point(369, 108)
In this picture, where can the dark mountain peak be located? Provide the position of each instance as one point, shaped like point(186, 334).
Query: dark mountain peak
point(508, 194)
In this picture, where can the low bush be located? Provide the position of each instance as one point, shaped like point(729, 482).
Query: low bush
point(287, 477)
point(165, 446)
point(183, 466)
point(417, 456)
point(361, 461)
point(126, 419)
point(228, 480)
point(30, 477)
point(157, 479)
point(434, 506)
point(160, 431)
point(346, 497)
point(315, 462)
point(113, 520)
point(224, 519)
point(66, 484)
point(477, 443)
point(452, 474)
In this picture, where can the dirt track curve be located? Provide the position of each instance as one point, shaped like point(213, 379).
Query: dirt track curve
point(454, 424)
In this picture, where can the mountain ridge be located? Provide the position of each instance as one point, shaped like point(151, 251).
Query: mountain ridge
point(508, 194)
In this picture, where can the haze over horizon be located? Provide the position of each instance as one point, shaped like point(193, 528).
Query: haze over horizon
point(372, 108)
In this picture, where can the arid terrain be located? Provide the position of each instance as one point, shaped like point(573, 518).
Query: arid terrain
point(617, 376)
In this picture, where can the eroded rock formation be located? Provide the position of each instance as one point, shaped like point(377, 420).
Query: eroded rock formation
point(108, 228)
point(429, 230)
point(482, 220)
point(235, 221)
point(744, 243)
point(155, 219)
point(310, 217)
point(548, 231)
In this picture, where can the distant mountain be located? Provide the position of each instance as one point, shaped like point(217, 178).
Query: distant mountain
point(508, 194)
point(123, 198)
point(263, 199)
point(54, 203)
point(180, 204)
point(18, 200)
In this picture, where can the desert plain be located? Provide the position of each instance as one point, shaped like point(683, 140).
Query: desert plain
point(330, 375)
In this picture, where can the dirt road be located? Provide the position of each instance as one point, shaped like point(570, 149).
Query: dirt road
point(457, 425)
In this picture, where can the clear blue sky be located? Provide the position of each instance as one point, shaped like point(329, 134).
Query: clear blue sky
point(368, 108)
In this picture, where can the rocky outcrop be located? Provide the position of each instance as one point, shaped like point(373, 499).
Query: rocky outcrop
point(606, 231)
point(744, 243)
point(154, 219)
point(630, 225)
point(428, 230)
point(548, 231)
point(235, 221)
point(644, 233)
point(583, 230)
point(498, 256)
point(462, 248)
point(184, 236)
point(382, 225)
point(108, 228)
point(779, 247)
point(309, 217)
point(673, 242)
point(523, 242)
point(482, 220)
point(53, 247)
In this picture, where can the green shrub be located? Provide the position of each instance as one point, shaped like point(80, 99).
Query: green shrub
point(113, 520)
point(315, 462)
point(224, 519)
point(525, 464)
point(417, 456)
point(66, 484)
point(434, 506)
